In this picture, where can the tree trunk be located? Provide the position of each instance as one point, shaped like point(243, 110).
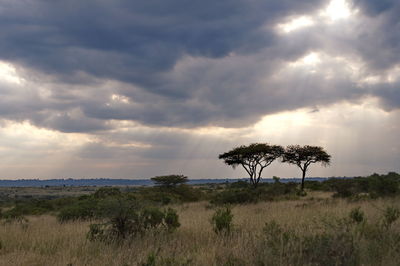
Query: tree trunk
point(254, 181)
point(255, 184)
point(302, 180)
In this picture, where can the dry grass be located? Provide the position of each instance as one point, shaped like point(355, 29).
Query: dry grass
point(44, 241)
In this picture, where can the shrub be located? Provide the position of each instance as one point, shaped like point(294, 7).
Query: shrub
point(383, 185)
point(344, 188)
point(154, 259)
point(105, 192)
point(97, 232)
point(126, 217)
point(314, 185)
point(173, 194)
point(171, 219)
point(240, 184)
point(79, 210)
point(222, 220)
point(157, 196)
point(249, 194)
point(29, 207)
point(152, 217)
point(376, 185)
point(357, 215)
point(390, 215)
point(234, 196)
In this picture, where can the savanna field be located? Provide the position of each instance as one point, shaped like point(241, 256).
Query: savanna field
point(284, 114)
point(274, 224)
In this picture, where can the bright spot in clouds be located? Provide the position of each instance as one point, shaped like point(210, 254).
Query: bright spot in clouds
point(337, 9)
point(8, 73)
point(310, 59)
point(296, 23)
point(120, 98)
point(28, 135)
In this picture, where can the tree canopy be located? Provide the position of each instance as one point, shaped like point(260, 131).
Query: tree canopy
point(303, 156)
point(169, 180)
point(253, 158)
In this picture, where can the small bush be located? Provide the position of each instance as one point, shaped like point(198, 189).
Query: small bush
point(344, 188)
point(222, 220)
point(357, 215)
point(375, 185)
point(314, 185)
point(105, 192)
point(390, 215)
point(151, 260)
point(235, 196)
point(152, 217)
point(173, 194)
point(383, 185)
point(80, 210)
point(240, 184)
point(96, 232)
point(171, 219)
point(29, 207)
point(125, 218)
point(154, 259)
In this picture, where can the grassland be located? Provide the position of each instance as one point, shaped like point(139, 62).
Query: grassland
point(313, 230)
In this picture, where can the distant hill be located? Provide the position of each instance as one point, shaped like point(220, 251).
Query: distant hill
point(122, 182)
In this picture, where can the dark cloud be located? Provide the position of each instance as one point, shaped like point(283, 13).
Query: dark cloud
point(132, 40)
point(185, 63)
point(389, 95)
point(375, 7)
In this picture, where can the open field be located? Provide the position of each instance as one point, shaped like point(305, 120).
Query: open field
point(44, 241)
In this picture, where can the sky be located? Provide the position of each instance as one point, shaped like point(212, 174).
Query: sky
point(136, 89)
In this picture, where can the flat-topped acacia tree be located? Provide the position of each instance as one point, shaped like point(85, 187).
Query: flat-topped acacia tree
point(253, 158)
point(303, 156)
point(169, 181)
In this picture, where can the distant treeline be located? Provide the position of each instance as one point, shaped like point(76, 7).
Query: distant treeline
point(123, 182)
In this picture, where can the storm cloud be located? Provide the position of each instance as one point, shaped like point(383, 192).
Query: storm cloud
point(121, 71)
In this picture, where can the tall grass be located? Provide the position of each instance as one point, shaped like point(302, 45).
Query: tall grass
point(313, 221)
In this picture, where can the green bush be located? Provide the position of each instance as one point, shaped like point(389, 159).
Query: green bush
point(235, 196)
point(375, 185)
point(105, 192)
point(357, 215)
point(31, 207)
point(343, 188)
point(154, 259)
point(172, 194)
point(249, 194)
point(383, 185)
point(80, 210)
point(240, 184)
point(390, 215)
point(125, 217)
point(171, 219)
point(222, 220)
point(314, 185)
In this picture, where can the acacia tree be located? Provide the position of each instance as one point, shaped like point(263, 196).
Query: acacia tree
point(303, 156)
point(169, 180)
point(253, 158)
